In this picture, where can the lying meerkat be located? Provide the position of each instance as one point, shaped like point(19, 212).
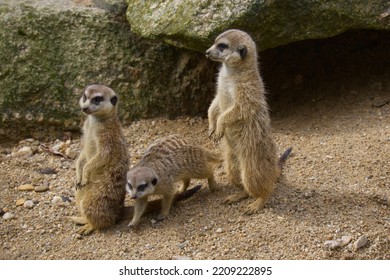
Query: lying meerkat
point(239, 115)
point(165, 162)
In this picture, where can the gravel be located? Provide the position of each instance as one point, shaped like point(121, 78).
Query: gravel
point(332, 202)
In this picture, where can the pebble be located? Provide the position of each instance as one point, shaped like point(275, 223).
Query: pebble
point(8, 216)
point(28, 204)
point(361, 242)
point(57, 200)
point(337, 243)
point(26, 187)
point(24, 151)
point(47, 171)
point(332, 244)
point(345, 240)
point(219, 230)
point(20, 201)
point(42, 188)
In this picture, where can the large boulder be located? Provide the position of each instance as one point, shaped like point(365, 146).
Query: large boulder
point(194, 24)
point(51, 49)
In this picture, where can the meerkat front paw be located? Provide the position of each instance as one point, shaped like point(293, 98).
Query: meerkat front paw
point(79, 185)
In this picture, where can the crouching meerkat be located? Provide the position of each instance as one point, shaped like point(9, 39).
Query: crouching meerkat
point(239, 117)
point(165, 162)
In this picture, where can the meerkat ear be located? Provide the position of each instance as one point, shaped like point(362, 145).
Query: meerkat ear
point(114, 100)
point(154, 181)
point(243, 51)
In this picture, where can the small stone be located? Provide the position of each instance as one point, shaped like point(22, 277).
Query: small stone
point(28, 204)
point(57, 200)
point(332, 244)
point(24, 151)
point(70, 153)
point(42, 188)
point(65, 199)
point(219, 230)
point(47, 171)
point(20, 201)
point(8, 216)
point(26, 187)
point(361, 242)
point(345, 240)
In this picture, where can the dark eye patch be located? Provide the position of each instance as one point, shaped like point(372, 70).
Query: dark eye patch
point(142, 187)
point(222, 46)
point(97, 99)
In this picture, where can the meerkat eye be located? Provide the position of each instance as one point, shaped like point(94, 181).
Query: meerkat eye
point(97, 99)
point(154, 181)
point(114, 100)
point(222, 46)
point(142, 187)
point(130, 186)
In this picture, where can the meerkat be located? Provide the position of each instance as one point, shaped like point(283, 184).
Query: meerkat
point(239, 117)
point(103, 162)
point(167, 161)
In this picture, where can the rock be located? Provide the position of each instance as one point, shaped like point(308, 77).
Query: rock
point(345, 240)
point(42, 188)
point(28, 204)
point(219, 230)
point(361, 242)
point(20, 201)
point(195, 24)
point(57, 200)
point(332, 244)
point(8, 216)
point(70, 153)
point(26, 187)
point(24, 151)
point(47, 171)
point(58, 65)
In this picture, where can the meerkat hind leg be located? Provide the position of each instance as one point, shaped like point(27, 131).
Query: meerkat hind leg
point(78, 220)
point(254, 206)
point(86, 229)
point(236, 197)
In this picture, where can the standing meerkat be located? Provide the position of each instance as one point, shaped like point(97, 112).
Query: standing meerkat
point(167, 161)
point(103, 162)
point(239, 116)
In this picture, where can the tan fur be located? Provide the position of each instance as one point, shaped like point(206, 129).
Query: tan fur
point(103, 162)
point(165, 162)
point(239, 117)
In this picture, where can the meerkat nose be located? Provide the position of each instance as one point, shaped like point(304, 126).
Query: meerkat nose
point(85, 109)
point(134, 196)
point(207, 53)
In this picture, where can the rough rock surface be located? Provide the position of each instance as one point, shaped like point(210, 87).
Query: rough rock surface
point(50, 50)
point(194, 24)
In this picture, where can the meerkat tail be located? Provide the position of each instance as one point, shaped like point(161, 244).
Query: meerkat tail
point(284, 156)
point(155, 205)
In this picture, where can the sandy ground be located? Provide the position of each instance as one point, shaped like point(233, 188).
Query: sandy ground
point(333, 202)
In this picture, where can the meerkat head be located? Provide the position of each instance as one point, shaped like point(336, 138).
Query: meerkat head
point(98, 101)
point(141, 182)
point(232, 47)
